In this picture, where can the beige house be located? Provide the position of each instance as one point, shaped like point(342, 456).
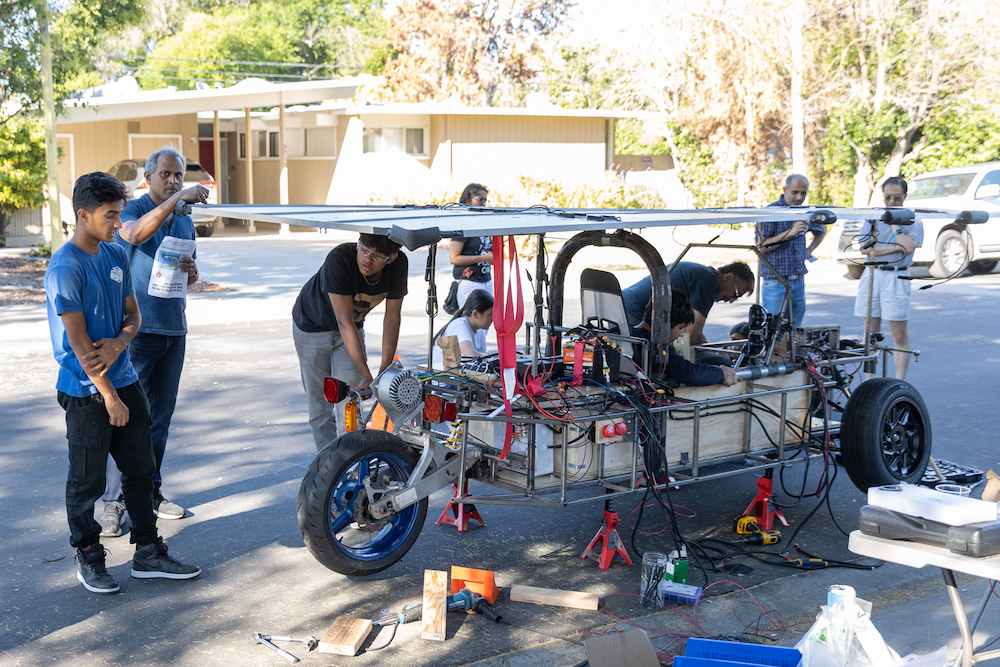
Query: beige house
point(313, 147)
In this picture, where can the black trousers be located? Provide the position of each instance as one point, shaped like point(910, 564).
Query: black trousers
point(91, 438)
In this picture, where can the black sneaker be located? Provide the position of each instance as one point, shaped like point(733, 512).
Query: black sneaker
point(151, 561)
point(92, 572)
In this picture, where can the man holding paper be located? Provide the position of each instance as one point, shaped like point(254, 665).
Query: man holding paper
point(160, 246)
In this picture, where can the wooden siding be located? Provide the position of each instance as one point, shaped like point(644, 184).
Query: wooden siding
point(98, 145)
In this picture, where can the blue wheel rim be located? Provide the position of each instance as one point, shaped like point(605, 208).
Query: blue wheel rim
point(352, 534)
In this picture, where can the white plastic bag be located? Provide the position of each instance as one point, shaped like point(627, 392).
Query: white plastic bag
point(843, 636)
point(938, 658)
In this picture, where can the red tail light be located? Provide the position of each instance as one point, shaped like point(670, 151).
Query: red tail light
point(334, 390)
point(437, 410)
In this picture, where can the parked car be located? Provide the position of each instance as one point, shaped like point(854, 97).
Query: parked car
point(132, 174)
point(947, 248)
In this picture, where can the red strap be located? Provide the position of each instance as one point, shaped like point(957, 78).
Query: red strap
point(577, 364)
point(508, 315)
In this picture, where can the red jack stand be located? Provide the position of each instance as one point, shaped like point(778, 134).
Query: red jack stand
point(609, 540)
point(462, 511)
point(762, 506)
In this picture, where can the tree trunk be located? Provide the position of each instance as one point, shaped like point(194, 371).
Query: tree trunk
point(863, 180)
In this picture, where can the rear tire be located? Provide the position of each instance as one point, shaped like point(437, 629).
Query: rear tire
point(885, 436)
point(951, 255)
point(982, 266)
point(333, 506)
point(205, 230)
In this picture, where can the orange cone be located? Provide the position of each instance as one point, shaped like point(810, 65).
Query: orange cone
point(380, 420)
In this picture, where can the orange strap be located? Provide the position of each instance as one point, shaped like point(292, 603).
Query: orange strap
point(508, 315)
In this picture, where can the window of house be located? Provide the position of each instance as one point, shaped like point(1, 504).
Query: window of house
point(409, 140)
point(273, 144)
point(243, 145)
point(321, 142)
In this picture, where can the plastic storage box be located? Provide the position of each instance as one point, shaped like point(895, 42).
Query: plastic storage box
point(707, 652)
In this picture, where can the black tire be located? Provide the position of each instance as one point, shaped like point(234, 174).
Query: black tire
point(854, 271)
point(982, 266)
point(205, 230)
point(951, 255)
point(885, 436)
point(332, 514)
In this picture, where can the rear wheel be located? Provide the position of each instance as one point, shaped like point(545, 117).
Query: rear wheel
point(983, 266)
point(885, 436)
point(334, 510)
point(205, 230)
point(951, 255)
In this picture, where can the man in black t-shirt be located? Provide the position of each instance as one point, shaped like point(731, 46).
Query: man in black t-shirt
point(328, 320)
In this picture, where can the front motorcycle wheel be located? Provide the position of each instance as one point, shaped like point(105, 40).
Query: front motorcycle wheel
point(333, 506)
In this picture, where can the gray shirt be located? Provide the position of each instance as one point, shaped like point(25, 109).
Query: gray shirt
point(898, 259)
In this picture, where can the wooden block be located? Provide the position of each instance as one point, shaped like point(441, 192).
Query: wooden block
point(992, 490)
point(554, 597)
point(433, 621)
point(345, 636)
point(621, 649)
point(682, 346)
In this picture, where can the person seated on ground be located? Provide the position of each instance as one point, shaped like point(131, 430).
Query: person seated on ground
point(678, 368)
point(739, 331)
point(470, 325)
point(704, 286)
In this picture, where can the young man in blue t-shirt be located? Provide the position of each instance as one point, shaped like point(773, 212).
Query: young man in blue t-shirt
point(93, 315)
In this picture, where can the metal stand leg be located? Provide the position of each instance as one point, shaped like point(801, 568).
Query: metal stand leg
point(960, 617)
point(979, 615)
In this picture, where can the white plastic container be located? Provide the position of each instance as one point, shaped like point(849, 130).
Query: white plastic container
point(930, 504)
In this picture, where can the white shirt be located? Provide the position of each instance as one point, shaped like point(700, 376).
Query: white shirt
point(460, 327)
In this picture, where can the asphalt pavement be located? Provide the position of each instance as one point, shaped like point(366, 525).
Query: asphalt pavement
point(240, 444)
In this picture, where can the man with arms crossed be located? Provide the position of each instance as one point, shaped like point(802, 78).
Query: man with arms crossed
point(158, 349)
point(93, 315)
point(891, 294)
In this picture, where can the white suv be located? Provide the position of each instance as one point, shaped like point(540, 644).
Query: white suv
point(132, 174)
point(946, 249)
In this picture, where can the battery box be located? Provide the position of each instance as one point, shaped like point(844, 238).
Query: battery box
point(975, 539)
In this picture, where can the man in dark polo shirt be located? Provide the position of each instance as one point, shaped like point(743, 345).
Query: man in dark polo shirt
point(328, 320)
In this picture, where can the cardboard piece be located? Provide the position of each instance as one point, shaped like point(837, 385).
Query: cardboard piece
point(345, 636)
point(621, 649)
point(992, 490)
point(434, 619)
point(477, 581)
point(554, 597)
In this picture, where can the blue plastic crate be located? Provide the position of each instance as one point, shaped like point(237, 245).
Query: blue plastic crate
point(706, 652)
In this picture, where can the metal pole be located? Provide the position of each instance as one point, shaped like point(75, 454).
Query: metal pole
point(51, 149)
point(432, 302)
point(248, 154)
point(871, 286)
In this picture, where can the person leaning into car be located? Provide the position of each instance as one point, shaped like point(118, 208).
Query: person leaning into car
point(891, 293)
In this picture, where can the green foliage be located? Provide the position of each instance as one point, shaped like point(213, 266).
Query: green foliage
point(22, 164)
point(955, 137)
point(613, 193)
point(699, 173)
point(632, 137)
point(576, 82)
point(348, 33)
point(40, 250)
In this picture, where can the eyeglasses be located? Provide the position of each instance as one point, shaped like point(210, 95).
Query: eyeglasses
point(738, 291)
point(478, 200)
point(377, 256)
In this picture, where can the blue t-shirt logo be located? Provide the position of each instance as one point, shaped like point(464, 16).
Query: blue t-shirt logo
point(117, 275)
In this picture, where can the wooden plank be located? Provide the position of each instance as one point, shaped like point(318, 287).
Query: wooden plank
point(433, 621)
point(345, 636)
point(555, 597)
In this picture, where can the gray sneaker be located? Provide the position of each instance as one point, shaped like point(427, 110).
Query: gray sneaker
point(92, 572)
point(112, 519)
point(168, 510)
point(151, 561)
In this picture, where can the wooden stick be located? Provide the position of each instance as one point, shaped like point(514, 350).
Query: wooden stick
point(433, 621)
point(554, 597)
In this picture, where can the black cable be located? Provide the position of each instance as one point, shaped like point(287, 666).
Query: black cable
point(391, 637)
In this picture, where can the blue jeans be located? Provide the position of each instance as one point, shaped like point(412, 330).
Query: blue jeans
point(158, 361)
point(91, 439)
point(773, 292)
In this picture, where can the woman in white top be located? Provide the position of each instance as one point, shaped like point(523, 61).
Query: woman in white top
point(470, 325)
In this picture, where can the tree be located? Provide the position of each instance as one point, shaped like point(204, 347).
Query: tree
point(467, 49)
point(22, 178)
point(344, 35)
point(887, 68)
